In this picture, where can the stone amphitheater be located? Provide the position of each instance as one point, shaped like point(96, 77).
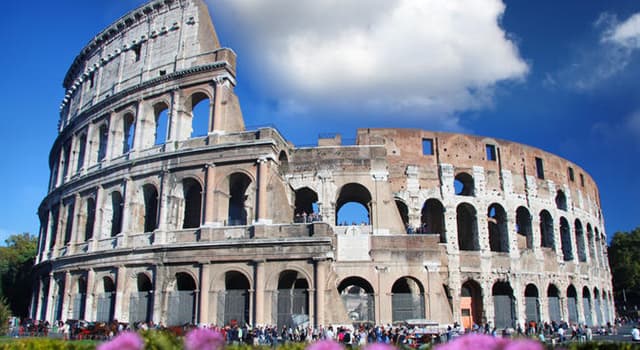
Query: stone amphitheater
point(163, 207)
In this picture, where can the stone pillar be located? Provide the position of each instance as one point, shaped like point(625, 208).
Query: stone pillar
point(216, 126)
point(66, 296)
point(163, 209)
point(50, 297)
point(321, 291)
point(260, 285)
point(263, 170)
point(205, 271)
point(158, 293)
point(121, 313)
point(127, 194)
point(97, 226)
point(209, 198)
point(89, 309)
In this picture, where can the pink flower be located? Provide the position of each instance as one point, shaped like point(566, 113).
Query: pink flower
point(524, 344)
point(124, 341)
point(379, 346)
point(325, 345)
point(486, 342)
point(203, 339)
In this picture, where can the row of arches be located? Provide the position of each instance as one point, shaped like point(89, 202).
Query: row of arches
point(148, 125)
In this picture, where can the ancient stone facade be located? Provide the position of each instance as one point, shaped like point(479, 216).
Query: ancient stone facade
point(149, 217)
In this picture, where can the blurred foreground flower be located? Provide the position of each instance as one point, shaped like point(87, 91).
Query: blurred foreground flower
point(124, 341)
point(203, 339)
point(379, 346)
point(486, 342)
point(325, 345)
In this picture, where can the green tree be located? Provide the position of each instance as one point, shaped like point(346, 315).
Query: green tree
point(16, 264)
point(624, 259)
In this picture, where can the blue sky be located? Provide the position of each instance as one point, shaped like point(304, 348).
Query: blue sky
point(561, 76)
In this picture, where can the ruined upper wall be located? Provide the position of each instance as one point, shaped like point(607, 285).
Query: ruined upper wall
point(155, 40)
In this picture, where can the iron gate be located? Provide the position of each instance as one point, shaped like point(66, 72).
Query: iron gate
point(598, 311)
point(554, 309)
point(531, 307)
point(236, 306)
point(104, 313)
point(292, 307)
point(573, 309)
point(406, 306)
point(181, 307)
point(586, 304)
point(504, 311)
point(139, 306)
point(360, 307)
point(78, 307)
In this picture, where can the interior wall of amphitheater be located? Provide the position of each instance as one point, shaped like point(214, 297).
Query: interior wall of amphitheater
point(163, 207)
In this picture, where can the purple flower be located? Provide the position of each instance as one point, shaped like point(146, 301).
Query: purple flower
point(486, 342)
point(203, 339)
point(524, 344)
point(379, 346)
point(124, 341)
point(325, 345)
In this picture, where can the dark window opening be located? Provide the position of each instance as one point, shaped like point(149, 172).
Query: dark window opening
point(546, 230)
point(129, 131)
point(407, 300)
point(498, 234)
point(561, 200)
point(467, 227)
point(582, 252)
point(491, 152)
point(432, 219)
point(136, 52)
point(91, 80)
point(150, 208)
point(55, 216)
point(523, 228)
point(117, 207)
point(539, 168)
point(571, 177)
point(81, 151)
point(68, 228)
point(582, 180)
point(238, 185)
point(192, 203)
point(91, 218)
point(403, 210)
point(427, 147)
point(102, 142)
point(464, 185)
point(66, 159)
point(358, 299)
point(565, 238)
point(306, 206)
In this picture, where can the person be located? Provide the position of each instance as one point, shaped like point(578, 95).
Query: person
point(635, 334)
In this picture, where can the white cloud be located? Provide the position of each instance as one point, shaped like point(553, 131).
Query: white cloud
point(626, 34)
point(415, 56)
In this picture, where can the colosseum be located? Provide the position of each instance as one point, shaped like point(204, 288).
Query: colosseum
point(163, 207)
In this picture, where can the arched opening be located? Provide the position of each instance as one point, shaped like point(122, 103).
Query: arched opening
point(358, 298)
point(236, 298)
point(200, 114)
point(463, 185)
point(68, 226)
point(82, 144)
point(572, 304)
point(103, 137)
point(293, 299)
point(161, 126)
point(141, 301)
point(117, 207)
point(591, 243)
point(582, 253)
point(106, 301)
point(79, 299)
point(546, 230)
point(561, 200)
point(471, 307)
point(605, 306)
point(504, 305)
point(524, 229)
point(598, 247)
point(353, 205)
point(182, 301)
point(586, 306)
point(597, 306)
point(129, 131)
point(58, 298)
point(432, 218)
point(306, 206)
point(403, 210)
point(531, 303)
point(467, 227)
point(238, 185)
point(150, 207)
point(553, 299)
point(498, 233)
point(192, 192)
point(284, 162)
point(407, 300)
point(91, 218)
point(565, 238)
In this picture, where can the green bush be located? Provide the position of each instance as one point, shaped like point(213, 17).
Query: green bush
point(46, 344)
point(603, 346)
point(5, 314)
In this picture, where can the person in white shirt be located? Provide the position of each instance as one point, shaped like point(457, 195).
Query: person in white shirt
point(635, 334)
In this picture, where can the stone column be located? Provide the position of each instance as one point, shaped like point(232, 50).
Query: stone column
point(205, 271)
point(163, 209)
point(209, 198)
point(263, 169)
point(121, 313)
point(50, 297)
point(321, 279)
point(127, 194)
point(260, 285)
point(158, 293)
point(66, 296)
point(216, 126)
